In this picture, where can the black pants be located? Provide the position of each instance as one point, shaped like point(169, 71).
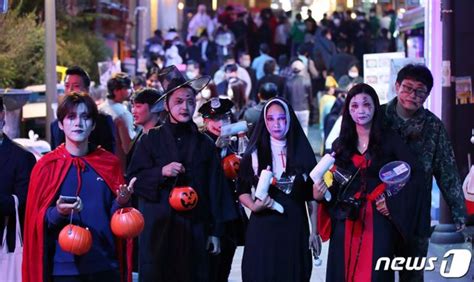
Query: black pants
point(221, 264)
point(104, 276)
point(413, 247)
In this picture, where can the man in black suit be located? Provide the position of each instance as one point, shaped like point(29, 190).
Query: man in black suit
point(245, 61)
point(77, 80)
point(16, 164)
point(208, 51)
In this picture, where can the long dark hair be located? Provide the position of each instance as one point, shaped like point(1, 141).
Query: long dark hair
point(238, 88)
point(346, 145)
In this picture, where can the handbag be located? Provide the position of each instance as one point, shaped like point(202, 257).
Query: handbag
point(10, 263)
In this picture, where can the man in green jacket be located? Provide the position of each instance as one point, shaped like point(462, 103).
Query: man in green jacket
point(425, 134)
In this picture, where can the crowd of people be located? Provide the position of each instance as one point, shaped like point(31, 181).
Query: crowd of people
point(156, 135)
point(251, 49)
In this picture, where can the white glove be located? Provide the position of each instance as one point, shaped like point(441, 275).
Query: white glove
point(213, 245)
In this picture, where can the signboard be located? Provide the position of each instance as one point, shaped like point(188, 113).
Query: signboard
point(446, 74)
point(377, 72)
point(464, 90)
point(107, 69)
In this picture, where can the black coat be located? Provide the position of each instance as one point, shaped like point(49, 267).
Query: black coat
point(173, 244)
point(276, 245)
point(16, 164)
point(279, 81)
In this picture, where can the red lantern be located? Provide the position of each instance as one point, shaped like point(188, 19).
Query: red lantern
point(231, 165)
point(127, 223)
point(183, 198)
point(75, 239)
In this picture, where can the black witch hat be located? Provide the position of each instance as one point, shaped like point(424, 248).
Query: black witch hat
point(172, 79)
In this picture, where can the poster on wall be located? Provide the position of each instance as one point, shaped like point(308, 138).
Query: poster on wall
point(395, 66)
point(446, 74)
point(107, 69)
point(464, 90)
point(415, 47)
point(377, 69)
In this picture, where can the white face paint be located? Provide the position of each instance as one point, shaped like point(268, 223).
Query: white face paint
point(276, 121)
point(77, 124)
point(362, 109)
point(181, 105)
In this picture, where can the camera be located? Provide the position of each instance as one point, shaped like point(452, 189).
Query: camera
point(350, 208)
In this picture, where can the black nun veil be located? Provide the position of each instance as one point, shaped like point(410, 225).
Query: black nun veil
point(300, 155)
point(276, 245)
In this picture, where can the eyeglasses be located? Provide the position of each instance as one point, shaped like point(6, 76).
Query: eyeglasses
point(419, 93)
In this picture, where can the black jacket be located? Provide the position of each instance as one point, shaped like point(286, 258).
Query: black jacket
point(16, 164)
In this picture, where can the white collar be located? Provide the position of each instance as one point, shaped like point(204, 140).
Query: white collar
point(277, 143)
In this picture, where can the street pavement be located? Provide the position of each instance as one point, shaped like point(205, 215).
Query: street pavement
point(318, 274)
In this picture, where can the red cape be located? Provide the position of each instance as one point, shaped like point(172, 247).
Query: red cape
point(46, 178)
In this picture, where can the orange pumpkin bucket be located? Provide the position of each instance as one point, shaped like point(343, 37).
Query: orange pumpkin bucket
point(127, 223)
point(183, 198)
point(75, 239)
point(231, 165)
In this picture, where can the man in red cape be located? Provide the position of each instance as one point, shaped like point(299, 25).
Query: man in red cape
point(46, 179)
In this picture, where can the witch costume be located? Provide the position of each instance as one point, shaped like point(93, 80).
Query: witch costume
point(359, 234)
point(173, 243)
point(276, 244)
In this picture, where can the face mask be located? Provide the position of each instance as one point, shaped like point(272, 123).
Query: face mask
point(245, 64)
point(353, 74)
point(230, 93)
point(206, 93)
point(191, 75)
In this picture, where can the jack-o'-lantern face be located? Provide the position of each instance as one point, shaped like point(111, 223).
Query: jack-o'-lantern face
point(231, 166)
point(183, 198)
point(189, 199)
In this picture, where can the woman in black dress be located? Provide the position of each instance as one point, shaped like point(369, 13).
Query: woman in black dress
point(276, 244)
point(364, 224)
